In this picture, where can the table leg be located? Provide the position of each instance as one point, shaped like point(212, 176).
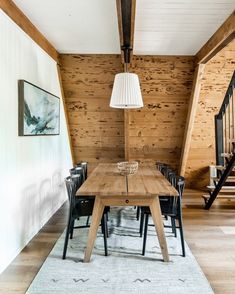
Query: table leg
point(95, 222)
point(157, 219)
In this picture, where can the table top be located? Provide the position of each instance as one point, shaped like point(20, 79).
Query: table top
point(106, 180)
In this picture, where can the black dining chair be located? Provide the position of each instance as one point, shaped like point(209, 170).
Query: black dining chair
point(160, 165)
point(84, 165)
point(81, 206)
point(170, 206)
point(171, 177)
point(165, 170)
point(79, 170)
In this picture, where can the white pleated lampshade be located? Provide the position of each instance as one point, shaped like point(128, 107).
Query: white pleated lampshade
point(126, 91)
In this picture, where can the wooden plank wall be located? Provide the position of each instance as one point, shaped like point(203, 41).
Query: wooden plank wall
point(217, 75)
point(97, 130)
point(156, 131)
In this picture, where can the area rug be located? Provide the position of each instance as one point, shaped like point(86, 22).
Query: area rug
point(125, 270)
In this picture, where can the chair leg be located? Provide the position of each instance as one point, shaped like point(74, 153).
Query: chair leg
point(103, 226)
point(66, 238)
point(181, 234)
point(173, 226)
point(71, 229)
point(106, 225)
point(141, 223)
point(138, 213)
point(145, 233)
point(87, 220)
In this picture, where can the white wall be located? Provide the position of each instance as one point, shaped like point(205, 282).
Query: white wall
point(32, 169)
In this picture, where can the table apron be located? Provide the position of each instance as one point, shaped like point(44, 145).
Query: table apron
point(126, 201)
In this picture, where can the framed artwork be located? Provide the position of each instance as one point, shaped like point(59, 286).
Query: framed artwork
point(39, 111)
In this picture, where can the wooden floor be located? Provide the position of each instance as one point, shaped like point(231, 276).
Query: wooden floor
point(209, 234)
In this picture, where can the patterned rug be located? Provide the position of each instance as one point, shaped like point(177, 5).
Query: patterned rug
point(125, 270)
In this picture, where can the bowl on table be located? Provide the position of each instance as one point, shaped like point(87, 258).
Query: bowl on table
point(127, 167)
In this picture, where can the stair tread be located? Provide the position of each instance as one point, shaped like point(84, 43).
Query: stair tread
point(230, 179)
point(227, 188)
point(221, 167)
point(206, 196)
point(227, 155)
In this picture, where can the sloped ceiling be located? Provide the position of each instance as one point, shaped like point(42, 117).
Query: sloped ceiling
point(162, 27)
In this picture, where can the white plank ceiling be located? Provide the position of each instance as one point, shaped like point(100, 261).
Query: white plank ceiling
point(75, 26)
point(177, 27)
point(162, 27)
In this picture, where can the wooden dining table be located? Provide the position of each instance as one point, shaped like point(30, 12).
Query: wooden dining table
point(110, 188)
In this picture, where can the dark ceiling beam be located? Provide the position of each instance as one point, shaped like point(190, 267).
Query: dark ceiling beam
point(126, 22)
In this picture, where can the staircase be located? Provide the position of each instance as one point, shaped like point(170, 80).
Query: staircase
point(224, 183)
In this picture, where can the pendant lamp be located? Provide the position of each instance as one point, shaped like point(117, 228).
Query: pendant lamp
point(126, 91)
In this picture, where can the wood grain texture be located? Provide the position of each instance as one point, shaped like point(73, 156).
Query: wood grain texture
point(198, 75)
point(156, 130)
point(9, 7)
point(106, 180)
point(220, 39)
point(217, 75)
point(97, 131)
point(157, 220)
point(113, 189)
point(96, 218)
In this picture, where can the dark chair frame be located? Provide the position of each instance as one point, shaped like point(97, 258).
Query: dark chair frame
point(170, 206)
point(81, 206)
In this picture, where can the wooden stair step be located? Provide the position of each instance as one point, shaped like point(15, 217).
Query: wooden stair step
point(226, 155)
point(226, 189)
point(221, 167)
point(219, 196)
point(230, 179)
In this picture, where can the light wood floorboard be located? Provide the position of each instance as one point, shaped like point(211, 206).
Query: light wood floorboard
point(209, 234)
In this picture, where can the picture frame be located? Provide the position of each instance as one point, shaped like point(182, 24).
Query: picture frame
point(38, 111)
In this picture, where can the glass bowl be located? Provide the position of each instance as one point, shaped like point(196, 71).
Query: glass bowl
point(127, 167)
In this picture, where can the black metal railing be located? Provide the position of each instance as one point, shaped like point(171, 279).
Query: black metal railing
point(225, 126)
point(224, 141)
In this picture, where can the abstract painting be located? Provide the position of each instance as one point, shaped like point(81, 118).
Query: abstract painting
point(39, 111)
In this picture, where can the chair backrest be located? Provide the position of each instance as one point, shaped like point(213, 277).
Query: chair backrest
point(79, 206)
point(161, 166)
point(73, 183)
point(172, 178)
point(180, 185)
point(169, 204)
point(164, 170)
point(84, 165)
point(78, 170)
